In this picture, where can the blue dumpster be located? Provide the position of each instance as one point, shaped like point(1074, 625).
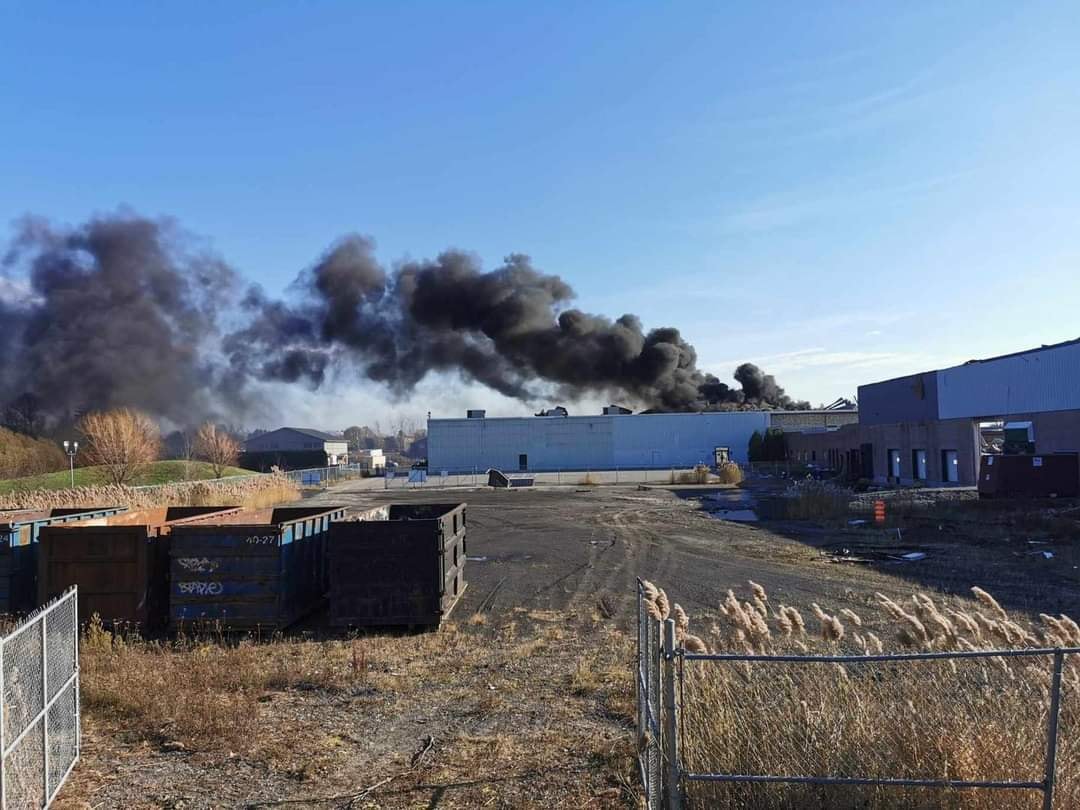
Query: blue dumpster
point(260, 569)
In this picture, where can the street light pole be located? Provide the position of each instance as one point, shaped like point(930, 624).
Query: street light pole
point(71, 448)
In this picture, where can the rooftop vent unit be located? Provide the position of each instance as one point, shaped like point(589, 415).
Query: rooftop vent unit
point(616, 410)
point(558, 410)
point(475, 413)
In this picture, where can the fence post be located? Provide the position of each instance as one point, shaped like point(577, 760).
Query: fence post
point(1052, 732)
point(3, 759)
point(672, 788)
point(641, 683)
point(78, 696)
point(45, 702)
point(654, 665)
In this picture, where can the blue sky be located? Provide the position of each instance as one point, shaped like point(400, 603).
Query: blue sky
point(839, 192)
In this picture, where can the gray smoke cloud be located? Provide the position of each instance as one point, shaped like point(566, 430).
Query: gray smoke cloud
point(124, 310)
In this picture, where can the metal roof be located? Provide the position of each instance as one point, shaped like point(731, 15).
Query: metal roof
point(321, 435)
point(1043, 348)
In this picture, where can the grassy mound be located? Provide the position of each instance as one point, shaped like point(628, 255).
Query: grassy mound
point(160, 472)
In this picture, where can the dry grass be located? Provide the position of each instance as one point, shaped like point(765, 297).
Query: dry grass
point(512, 711)
point(200, 692)
point(255, 491)
point(969, 719)
point(730, 473)
point(810, 499)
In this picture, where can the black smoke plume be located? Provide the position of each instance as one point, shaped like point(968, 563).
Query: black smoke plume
point(510, 329)
point(124, 310)
point(118, 311)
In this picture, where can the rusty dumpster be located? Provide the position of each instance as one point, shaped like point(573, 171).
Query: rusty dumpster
point(19, 531)
point(119, 562)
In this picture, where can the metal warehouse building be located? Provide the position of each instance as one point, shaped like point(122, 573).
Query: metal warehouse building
point(933, 427)
point(602, 442)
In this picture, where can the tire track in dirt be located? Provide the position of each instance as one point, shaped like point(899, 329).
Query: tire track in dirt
point(643, 551)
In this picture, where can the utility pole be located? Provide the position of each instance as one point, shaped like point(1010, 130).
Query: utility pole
point(71, 448)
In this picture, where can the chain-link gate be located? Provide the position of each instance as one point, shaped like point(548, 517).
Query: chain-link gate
point(648, 703)
point(689, 753)
point(39, 724)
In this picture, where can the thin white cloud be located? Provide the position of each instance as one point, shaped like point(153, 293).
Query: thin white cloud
point(790, 209)
point(818, 357)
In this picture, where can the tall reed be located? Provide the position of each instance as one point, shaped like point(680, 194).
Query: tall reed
point(957, 719)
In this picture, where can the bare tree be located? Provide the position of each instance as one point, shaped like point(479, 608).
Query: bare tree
point(187, 450)
point(217, 447)
point(122, 441)
point(405, 425)
point(354, 436)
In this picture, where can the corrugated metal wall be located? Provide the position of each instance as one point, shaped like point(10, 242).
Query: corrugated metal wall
point(590, 442)
point(1036, 382)
point(683, 439)
point(551, 443)
point(906, 399)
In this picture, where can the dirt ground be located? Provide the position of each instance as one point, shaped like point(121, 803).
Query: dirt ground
point(550, 548)
point(526, 699)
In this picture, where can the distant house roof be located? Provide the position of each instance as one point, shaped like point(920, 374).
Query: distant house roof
point(317, 434)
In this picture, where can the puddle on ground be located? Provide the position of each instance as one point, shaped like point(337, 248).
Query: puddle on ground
point(736, 515)
point(734, 505)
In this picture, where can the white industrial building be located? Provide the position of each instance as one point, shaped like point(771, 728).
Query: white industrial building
point(602, 442)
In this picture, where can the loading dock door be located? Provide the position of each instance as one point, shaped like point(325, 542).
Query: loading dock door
point(866, 451)
point(950, 465)
point(918, 464)
point(894, 463)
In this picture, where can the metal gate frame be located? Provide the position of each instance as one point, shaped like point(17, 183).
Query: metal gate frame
point(50, 696)
point(659, 689)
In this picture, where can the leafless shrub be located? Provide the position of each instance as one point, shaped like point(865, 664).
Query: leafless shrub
point(729, 473)
point(810, 499)
point(22, 456)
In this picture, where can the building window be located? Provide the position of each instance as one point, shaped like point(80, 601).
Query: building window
point(894, 463)
point(918, 465)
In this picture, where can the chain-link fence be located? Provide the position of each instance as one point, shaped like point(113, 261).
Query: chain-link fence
point(39, 724)
point(898, 730)
point(474, 477)
point(322, 477)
